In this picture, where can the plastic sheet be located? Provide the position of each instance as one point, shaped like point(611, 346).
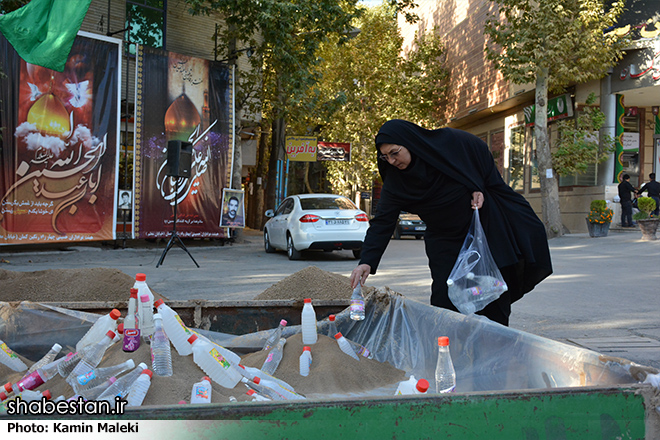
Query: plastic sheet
point(487, 356)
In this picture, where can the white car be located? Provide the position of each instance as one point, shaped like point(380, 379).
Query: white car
point(325, 222)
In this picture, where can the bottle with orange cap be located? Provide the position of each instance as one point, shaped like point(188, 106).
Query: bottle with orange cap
point(445, 376)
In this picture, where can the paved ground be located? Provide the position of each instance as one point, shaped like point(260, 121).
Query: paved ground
point(604, 293)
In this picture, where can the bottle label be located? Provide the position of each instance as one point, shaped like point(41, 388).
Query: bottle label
point(7, 350)
point(269, 358)
point(186, 329)
point(31, 382)
point(84, 378)
point(131, 339)
point(357, 305)
point(202, 392)
point(219, 359)
point(363, 351)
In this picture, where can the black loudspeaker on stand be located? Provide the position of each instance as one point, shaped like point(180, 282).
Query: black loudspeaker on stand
point(179, 161)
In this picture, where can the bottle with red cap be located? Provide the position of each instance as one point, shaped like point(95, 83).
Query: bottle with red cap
point(305, 362)
point(201, 391)
point(345, 346)
point(139, 389)
point(445, 376)
point(308, 319)
point(213, 363)
point(131, 324)
point(143, 289)
point(99, 329)
point(122, 385)
point(86, 359)
point(256, 397)
point(175, 329)
point(360, 350)
point(412, 386)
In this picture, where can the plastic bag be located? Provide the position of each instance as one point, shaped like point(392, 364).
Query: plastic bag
point(475, 281)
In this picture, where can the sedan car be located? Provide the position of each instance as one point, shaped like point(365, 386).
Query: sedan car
point(325, 222)
point(409, 224)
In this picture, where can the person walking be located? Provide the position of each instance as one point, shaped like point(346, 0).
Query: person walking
point(442, 175)
point(625, 188)
point(653, 190)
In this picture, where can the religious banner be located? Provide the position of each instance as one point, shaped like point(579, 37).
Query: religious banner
point(337, 151)
point(59, 145)
point(181, 98)
point(301, 148)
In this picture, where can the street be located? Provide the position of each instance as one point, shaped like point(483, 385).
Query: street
point(603, 293)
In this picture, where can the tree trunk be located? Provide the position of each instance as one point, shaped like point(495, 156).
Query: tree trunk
point(307, 185)
point(549, 180)
point(277, 146)
point(256, 215)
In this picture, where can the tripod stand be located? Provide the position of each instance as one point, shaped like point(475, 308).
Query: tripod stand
point(174, 238)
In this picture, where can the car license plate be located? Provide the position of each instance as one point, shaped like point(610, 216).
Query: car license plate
point(420, 228)
point(337, 222)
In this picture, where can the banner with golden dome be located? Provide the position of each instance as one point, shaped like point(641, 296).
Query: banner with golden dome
point(179, 97)
point(59, 145)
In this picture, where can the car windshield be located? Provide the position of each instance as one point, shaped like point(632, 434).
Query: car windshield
point(326, 203)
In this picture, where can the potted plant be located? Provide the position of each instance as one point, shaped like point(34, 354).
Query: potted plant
point(647, 222)
point(599, 218)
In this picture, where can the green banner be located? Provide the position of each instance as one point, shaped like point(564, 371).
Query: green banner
point(559, 107)
point(618, 138)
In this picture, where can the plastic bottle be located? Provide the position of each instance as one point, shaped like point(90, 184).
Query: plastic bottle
point(275, 336)
point(143, 288)
point(123, 384)
point(309, 335)
point(305, 361)
point(131, 324)
point(274, 358)
point(201, 391)
point(146, 317)
point(94, 393)
point(251, 373)
point(445, 376)
point(360, 350)
point(38, 377)
point(11, 359)
point(345, 346)
point(102, 326)
point(357, 304)
point(175, 329)
point(47, 359)
point(97, 376)
point(256, 397)
point(412, 386)
point(216, 366)
point(464, 264)
point(31, 396)
point(161, 356)
point(232, 357)
point(68, 363)
point(91, 356)
point(139, 389)
point(288, 394)
point(332, 326)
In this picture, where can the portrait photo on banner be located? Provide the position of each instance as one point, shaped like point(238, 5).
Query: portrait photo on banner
point(233, 209)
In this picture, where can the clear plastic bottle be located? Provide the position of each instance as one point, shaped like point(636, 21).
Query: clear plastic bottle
point(445, 376)
point(305, 361)
point(31, 396)
point(345, 346)
point(175, 329)
point(275, 336)
point(47, 359)
point(10, 359)
point(309, 335)
point(274, 358)
point(146, 318)
point(360, 350)
point(251, 373)
point(139, 389)
point(256, 397)
point(97, 376)
point(357, 304)
point(122, 385)
point(161, 356)
point(201, 391)
point(68, 363)
point(261, 389)
point(214, 364)
point(464, 264)
point(412, 386)
point(38, 377)
point(332, 326)
point(102, 326)
point(131, 324)
point(90, 356)
point(288, 394)
point(94, 393)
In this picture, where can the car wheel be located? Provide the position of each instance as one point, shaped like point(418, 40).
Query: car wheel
point(269, 249)
point(357, 253)
point(291, 249)
point(397, 234)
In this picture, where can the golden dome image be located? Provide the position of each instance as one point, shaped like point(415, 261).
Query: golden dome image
point(181, 119)
point(49, 115)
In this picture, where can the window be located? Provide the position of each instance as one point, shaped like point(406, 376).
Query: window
point(147, 21)
point(517, 158)
point(326, 203)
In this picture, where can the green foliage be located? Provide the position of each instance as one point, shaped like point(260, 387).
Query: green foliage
point(645, 205)
point(564, 36)
point(578, 144)
point(599, 212)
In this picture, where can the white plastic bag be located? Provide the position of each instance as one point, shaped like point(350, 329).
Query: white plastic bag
point(475, 281)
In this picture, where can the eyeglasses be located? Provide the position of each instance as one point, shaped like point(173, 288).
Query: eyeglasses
point(392, 155)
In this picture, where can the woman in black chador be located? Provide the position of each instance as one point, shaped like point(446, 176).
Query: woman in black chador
point(442, 175)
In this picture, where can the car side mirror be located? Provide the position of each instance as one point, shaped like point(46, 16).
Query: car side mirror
point(270, 213)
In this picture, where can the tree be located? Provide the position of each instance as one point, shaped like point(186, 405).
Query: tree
point(365, 82)
point(552, 43)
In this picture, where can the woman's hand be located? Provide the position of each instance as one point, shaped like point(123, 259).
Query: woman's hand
point(359, 275)
point(477, 200)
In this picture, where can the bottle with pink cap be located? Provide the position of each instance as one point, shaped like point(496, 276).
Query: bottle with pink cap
point(275, 336)
point(131, 324)
point(102, 326)
point(147, 327)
